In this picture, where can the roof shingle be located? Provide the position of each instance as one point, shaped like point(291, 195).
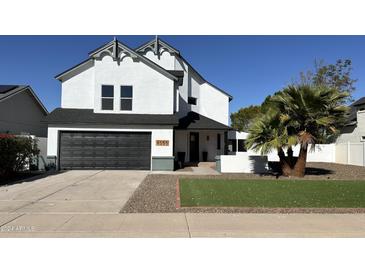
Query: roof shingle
point(88, 116)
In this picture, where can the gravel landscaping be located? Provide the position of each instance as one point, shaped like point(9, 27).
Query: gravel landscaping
point(157, 193)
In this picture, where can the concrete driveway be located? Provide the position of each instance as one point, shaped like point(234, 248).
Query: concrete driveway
point(87, 204)
point(75, 191)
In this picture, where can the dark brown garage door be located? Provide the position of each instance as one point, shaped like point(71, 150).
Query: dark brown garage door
point(105, 150)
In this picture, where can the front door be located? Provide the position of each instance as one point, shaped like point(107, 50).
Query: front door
point(194, 147)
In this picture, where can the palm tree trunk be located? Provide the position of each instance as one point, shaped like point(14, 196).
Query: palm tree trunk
point(290, 157)
point(286, 169)
point(299, 168)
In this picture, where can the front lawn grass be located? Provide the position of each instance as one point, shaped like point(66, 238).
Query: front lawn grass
point(272, 193)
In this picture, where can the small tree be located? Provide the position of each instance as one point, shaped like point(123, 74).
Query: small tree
point(337, 76)
point(243, 118)
point(15, 153)
point(303, 115)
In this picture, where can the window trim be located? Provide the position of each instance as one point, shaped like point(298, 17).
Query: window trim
point(102, 97)
point(125, 98)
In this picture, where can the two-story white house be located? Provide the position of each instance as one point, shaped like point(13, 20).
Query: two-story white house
point(141, 108)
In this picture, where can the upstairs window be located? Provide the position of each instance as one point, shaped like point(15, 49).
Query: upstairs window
point(107, 97)
point(126, 97)
point(192, 100)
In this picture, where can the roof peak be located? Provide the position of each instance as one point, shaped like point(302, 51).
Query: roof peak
point(116, 49)
point(156, 44)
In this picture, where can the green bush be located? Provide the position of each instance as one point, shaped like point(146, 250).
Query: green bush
point(15, 153)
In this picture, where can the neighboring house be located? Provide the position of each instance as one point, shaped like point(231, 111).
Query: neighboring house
point(21, 111)
point(354, 131)
point(126, 108)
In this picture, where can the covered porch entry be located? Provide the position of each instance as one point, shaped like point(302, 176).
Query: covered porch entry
point(199, 139)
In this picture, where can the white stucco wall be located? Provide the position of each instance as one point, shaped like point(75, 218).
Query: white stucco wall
point(153, 93)
point(156, 134)
point(207, 142)
point(214, 104)
point(78, 91)
point(165, 59)
point(211, 102)
point(243, 163)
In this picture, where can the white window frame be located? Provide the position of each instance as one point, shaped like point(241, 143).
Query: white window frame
point(128, 98)
point(101, 98)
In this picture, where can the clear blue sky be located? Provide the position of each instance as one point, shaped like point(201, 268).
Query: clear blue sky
point(247, 67)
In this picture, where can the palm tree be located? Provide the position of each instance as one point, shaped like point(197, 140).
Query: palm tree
point(303, 115)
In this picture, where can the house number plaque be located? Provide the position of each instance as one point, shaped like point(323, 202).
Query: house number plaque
point(164, 143)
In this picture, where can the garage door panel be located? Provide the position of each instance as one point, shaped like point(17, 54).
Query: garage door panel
point(105, 150)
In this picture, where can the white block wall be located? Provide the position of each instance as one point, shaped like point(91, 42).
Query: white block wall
point(243, 163)
point(322, 153)
point(351, 153)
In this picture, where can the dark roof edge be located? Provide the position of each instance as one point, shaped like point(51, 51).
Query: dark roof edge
point(24, 88)
point(167, 45)
point(144, 59)
point(58, 76)
point(87, 116)
point(358, 102)
point(44, 121)
point(220, 125)
point(38, 100)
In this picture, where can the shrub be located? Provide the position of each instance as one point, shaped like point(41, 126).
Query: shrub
point(15, 153)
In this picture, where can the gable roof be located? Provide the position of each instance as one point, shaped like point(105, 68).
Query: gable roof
point(195, 120)
point(158, 42)
point(115, 48)
point(154, 44)
point(7, 91)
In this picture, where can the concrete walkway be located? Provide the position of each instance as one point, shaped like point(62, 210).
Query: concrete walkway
point(182, 225)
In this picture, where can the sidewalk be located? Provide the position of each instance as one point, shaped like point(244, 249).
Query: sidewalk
point(182, 225)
